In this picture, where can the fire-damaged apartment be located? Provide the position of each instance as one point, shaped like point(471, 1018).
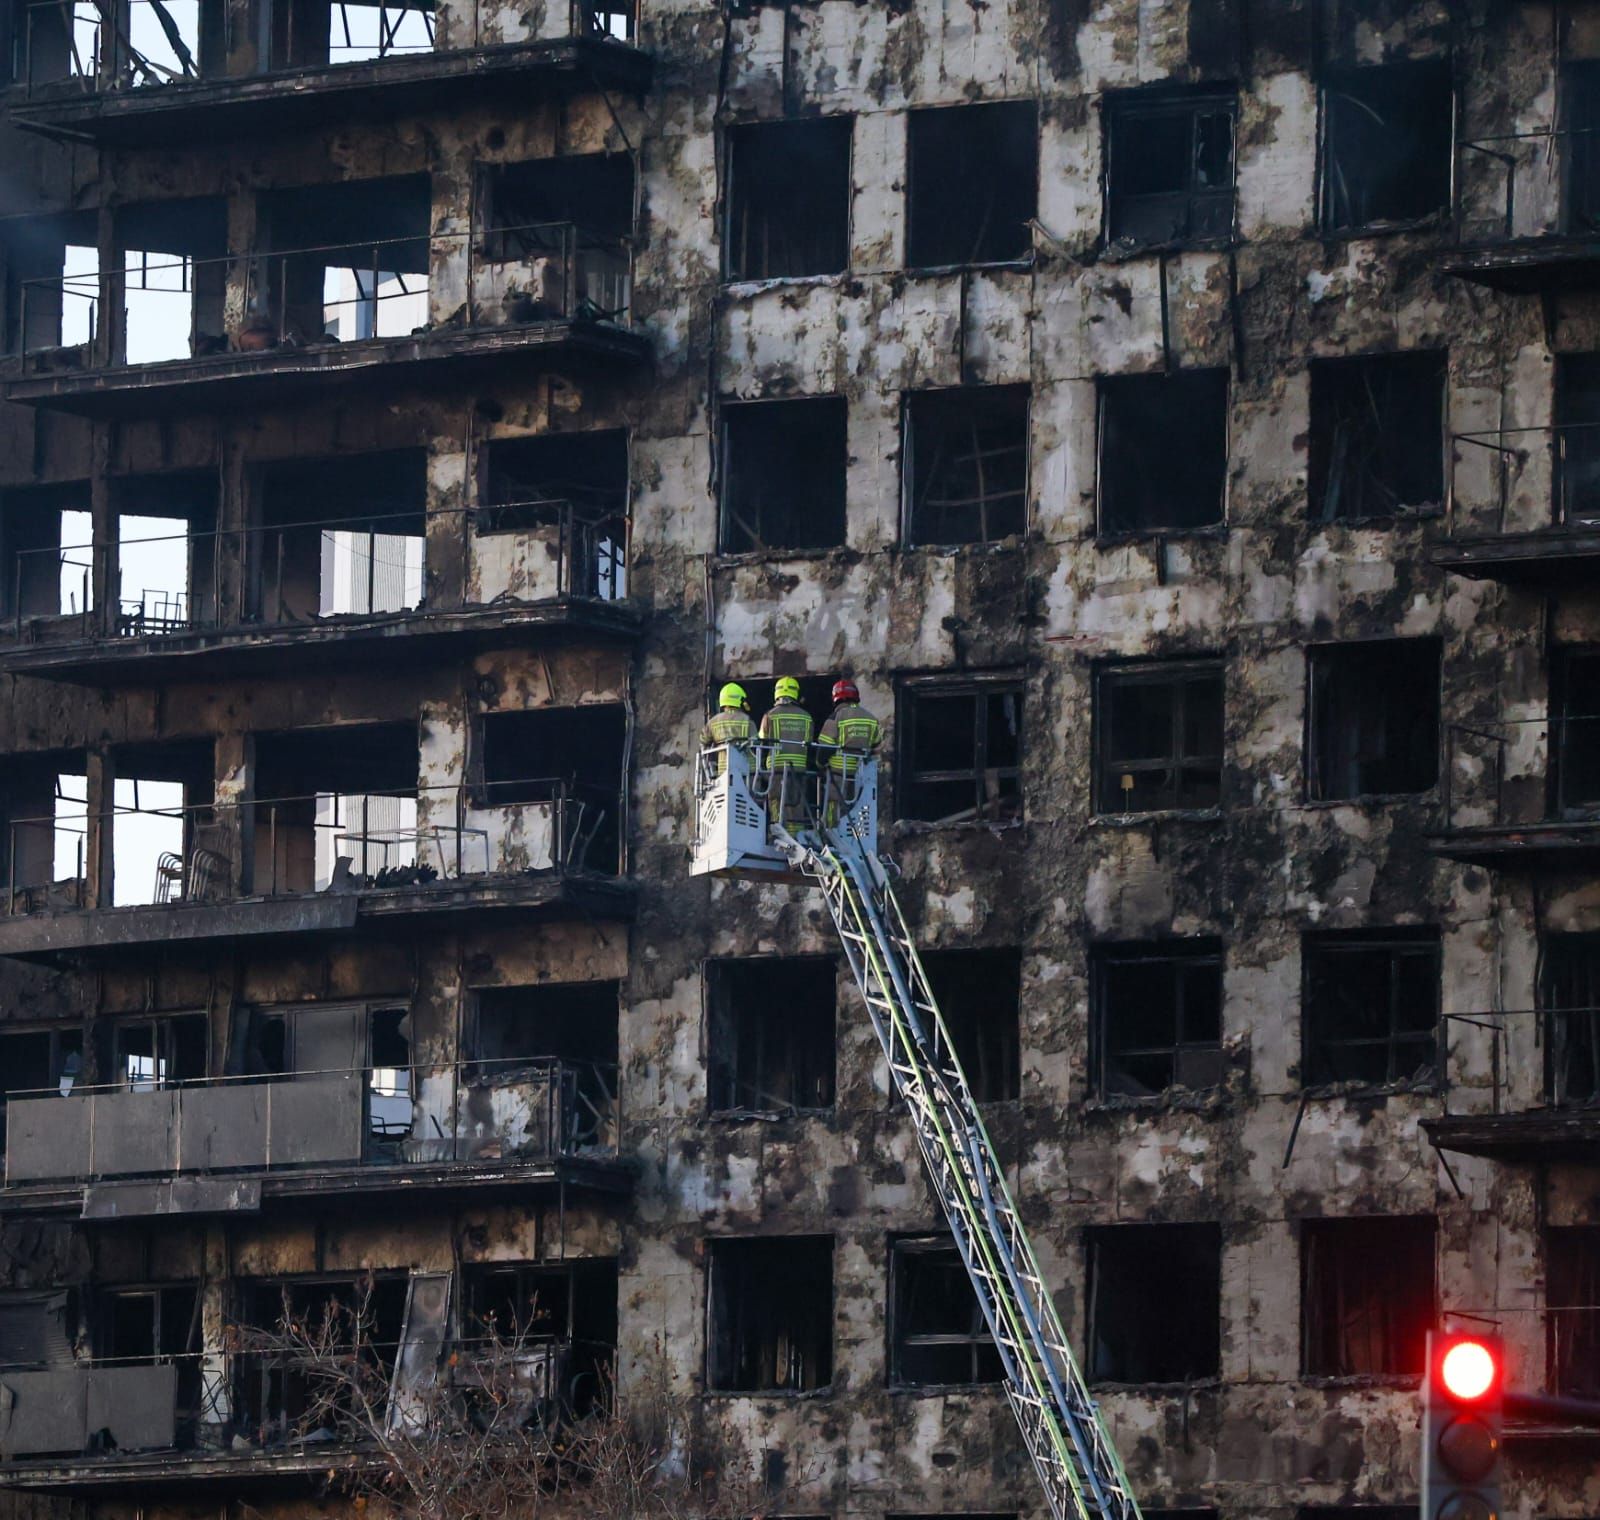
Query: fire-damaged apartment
point(1181, 419)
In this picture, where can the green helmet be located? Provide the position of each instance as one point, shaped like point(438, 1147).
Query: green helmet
point(732, 695)
point(788, 687)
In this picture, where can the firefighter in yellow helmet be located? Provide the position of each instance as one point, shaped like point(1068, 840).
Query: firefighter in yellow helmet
point(789, 729)
point(852, 733)
point(730, 724)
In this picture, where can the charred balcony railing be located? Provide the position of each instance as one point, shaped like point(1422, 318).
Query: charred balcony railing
point(1530, 782)
point(429, 839)
point(1540, 479)
point(267, 303)
point(1539, 1060)
point(503, 1111)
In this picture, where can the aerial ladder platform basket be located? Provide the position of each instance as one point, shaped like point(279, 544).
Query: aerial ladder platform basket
point(818, 823)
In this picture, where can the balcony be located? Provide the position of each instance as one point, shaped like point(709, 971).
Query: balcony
point(323, 63)
point(324, 863)
point(343, 590)
point(1527, 213)
point(192, 332)
point(237, 1145)
point(1540, 1100)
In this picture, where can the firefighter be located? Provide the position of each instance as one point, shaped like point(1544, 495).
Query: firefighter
point(731, 724)
point(789, 729)
point(852, 733)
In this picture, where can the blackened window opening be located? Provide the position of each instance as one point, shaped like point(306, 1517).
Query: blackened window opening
point(783, 475)
point(979, 994)
point(770, 1307)
point(1574, 783)
point(1580, 158)
point(1169, 171)
point(937, 1334)
point(1367, 1296)
point(39, 1063)
point(1371, 1008)
point(1569, 992)
point(1374, 726)
point(1388, 133)
point(960, 751)
point(1159, 730)
point(46, 551)
point(1377, 436)
point(974, 182)
point(1577, 440)
point(616, 20)
point(788, 199)
point(149, 1053)
point(1155, 1303)
point(1572, 1299)
point(771, 1033)
point(1163, 451)
point(1157, 1016)
point(967, 464)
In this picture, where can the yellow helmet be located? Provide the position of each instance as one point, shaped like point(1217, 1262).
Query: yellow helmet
point(733, 695)
point(788, 687)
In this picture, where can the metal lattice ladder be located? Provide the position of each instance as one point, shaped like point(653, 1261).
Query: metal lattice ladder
point(1079, 1467)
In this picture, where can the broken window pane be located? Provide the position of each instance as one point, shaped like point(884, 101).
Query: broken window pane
point(974, 182)
point(1371, 1008)
point(770, 1312)
point(1163, 451)
point(937, 1333)
point(1366, 1296)
point(979, 993)
point(1572, 1298)
point(1374, 719)
point(1577, 439)
point(783, 475)
point(788, 199)
point(1377, 431)
point(1569, 993)
point(1155, 1303)
point(960, 751)
point(1169, 172)
point(1388, 136)
point(1160, 738)
point(966, 464)
point(771, 1033)
point(1157, 1016)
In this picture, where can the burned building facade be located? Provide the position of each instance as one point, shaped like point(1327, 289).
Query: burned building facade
point(1181, 421)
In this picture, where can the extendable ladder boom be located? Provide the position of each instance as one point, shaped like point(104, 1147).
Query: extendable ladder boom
point(1082, 1475)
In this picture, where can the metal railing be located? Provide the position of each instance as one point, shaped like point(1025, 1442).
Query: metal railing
point(277, 299)
point(1561, 1042)
point(1522, 772)
point(326, 842)
point(1539, 183)
point(1544, 478)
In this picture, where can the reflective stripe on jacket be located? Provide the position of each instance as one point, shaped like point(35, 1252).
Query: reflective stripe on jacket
point(853, 731)
point(729, 726)
point(791, 727)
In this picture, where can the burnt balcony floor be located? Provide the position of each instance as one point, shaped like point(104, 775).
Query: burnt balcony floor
point(349, 640)
point(154, 1472)
point(269, 104)
point(1553, 557)
point(1555, 1134)
point(70, 935)
point(226, 381)
point(1545, 264)
point(1557, 846)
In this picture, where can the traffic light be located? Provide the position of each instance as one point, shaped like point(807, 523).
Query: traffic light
point(1463, 1396)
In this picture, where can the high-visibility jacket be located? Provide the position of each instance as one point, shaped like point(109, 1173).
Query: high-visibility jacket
point(790, 727)
point(853, 732)
point(731, 725)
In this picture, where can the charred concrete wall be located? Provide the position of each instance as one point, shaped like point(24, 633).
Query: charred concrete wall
point(1049, 608)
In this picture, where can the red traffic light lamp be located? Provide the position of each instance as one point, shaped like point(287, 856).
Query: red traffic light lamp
point(1463, 1398)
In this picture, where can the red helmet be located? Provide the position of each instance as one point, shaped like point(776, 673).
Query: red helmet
point(845, 691)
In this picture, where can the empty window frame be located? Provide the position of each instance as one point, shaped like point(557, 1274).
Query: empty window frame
point(1169, 167)
point(1157, 1016)
point(788, 202)
point(1377, 436)
point(974, 184)
point(550, 1021)
point(166, 552)
point(1388, 134)
point(770, 1314)
point(161, 806)
point(783, 475)
point(1163, 451)
point(47, 551)
point(306, 33)
point(770, 1029)
point(172, 258)
point(937, 1333)
point(1576, 445)
point(143, 1324)
point(1159, 738)
point(615, 20)
point(1580, 151)
point(50, 277)
point(1573, 787)
point(960, 750)
point(1374, 719)
point(979, 993)
point(159, 1052)
point(1367, 1297)
point(39, 1063)
point(1371, 1007)
point(1569, 994)
point(1572, 1303)
point(966, 464)
point(1155, 1303)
